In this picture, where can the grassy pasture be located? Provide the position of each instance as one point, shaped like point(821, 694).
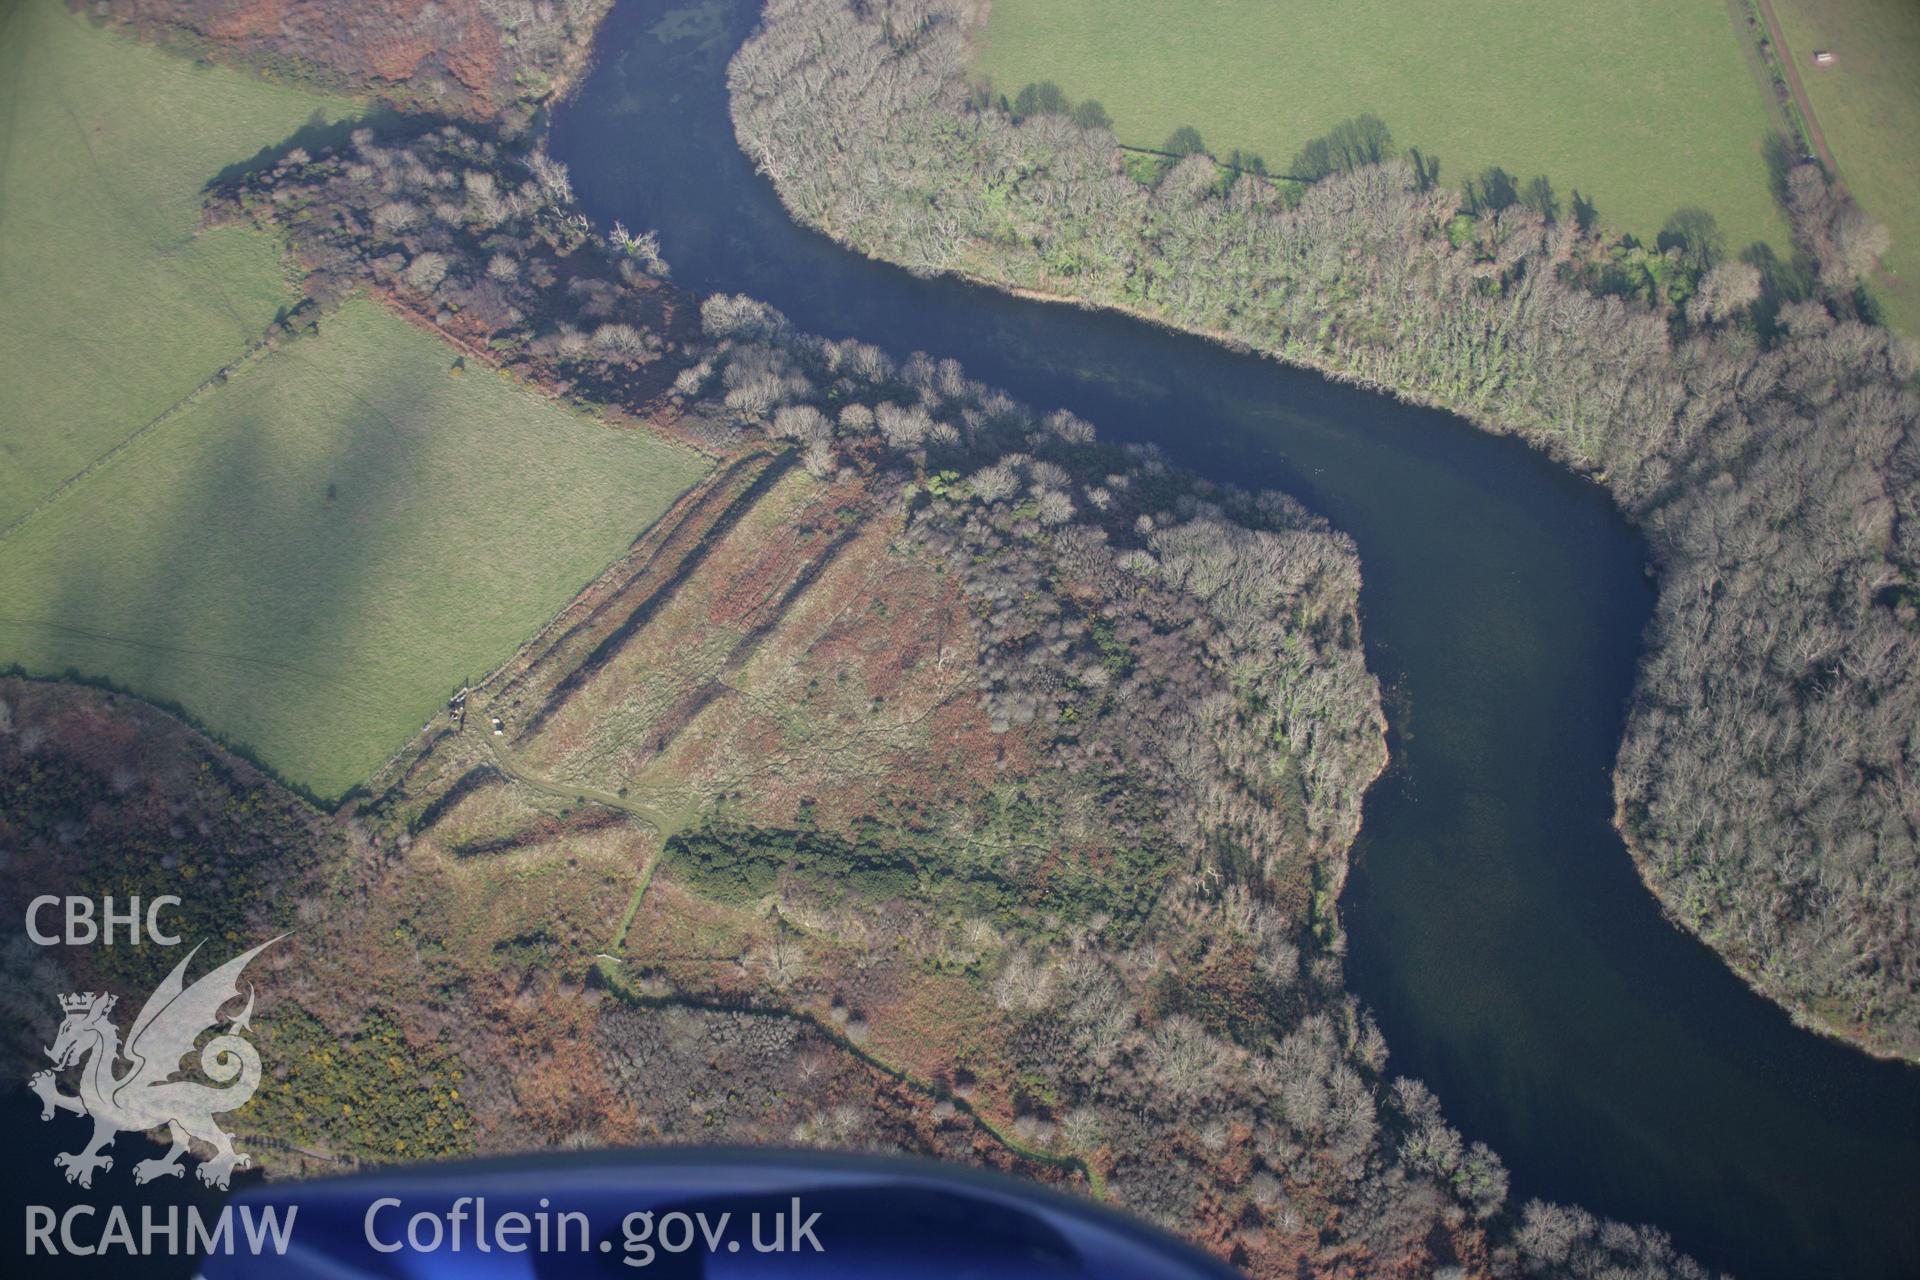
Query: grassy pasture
point(111, 306)
point(312, 557)
point(1645, 106)
point(1868, 105)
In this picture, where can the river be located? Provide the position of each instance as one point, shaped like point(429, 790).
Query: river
point(1497, 927)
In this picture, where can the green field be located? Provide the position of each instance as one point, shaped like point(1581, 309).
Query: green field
point(111, 307)
point(305, 559)
point(1645, 106)
point(1868, 105)
point(310, 559)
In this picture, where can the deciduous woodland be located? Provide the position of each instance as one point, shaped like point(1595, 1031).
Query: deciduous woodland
point(987, 788)
point(1745, 413)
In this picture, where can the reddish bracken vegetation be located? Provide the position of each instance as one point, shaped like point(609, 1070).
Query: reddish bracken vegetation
point(464, 57)
point(925, 779)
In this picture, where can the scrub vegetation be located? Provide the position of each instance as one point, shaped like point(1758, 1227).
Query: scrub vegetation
point(477, 58)
point(1741, 409)
point(1645, 107)
point(931, 776)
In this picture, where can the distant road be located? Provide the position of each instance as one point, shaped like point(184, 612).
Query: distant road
point(1799, 91)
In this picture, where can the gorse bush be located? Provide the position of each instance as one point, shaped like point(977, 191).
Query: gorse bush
point(370, 1095)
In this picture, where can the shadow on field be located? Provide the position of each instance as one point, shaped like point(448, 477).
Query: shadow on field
point(247, 562)
point(316, 135)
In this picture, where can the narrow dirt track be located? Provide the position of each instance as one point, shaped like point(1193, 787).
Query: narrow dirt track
point(1799, 91)
point(587, 795)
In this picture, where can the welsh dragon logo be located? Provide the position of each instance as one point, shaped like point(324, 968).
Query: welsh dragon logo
point(145, 1095)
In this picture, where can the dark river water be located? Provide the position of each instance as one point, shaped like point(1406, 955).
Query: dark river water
point(1497, 926)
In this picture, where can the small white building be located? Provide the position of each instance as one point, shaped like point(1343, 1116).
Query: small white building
point(1823, 58)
